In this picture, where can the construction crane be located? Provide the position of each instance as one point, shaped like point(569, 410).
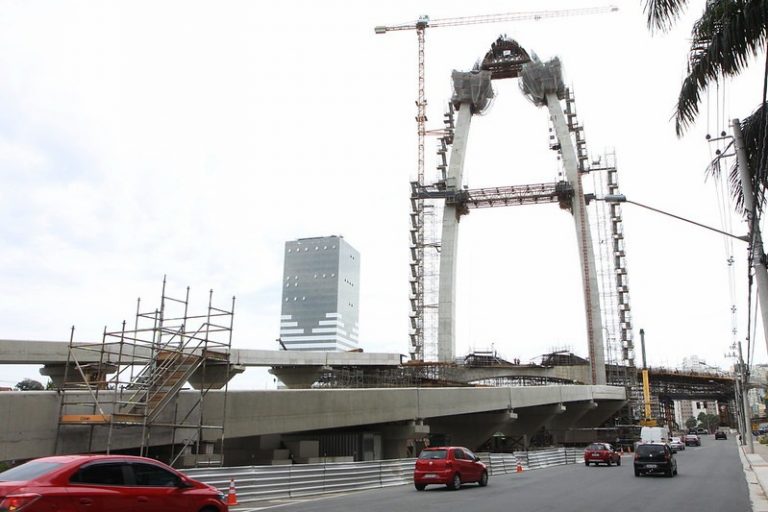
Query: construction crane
point(423, 22)
point(420, 26)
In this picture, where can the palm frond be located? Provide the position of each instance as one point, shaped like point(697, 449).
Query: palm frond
point(753, 131)
point(662, 14)
point(728, 33)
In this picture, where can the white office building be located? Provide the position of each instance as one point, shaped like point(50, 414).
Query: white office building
point(321, 294)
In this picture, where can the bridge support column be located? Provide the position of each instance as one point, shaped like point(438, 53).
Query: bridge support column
point(215, 376)
point(395, 439)
point(560, 424)
point(471, 92)
point(471, 430)
point(584, 238)
point(93, 372)
point(297, 377)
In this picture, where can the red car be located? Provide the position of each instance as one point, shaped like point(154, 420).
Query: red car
point(448, 465)
point(114, 483)
point(601, 453)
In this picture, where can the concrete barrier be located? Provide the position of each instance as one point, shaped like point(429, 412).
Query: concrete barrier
point(265, 483)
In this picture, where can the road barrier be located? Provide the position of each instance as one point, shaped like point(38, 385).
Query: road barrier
point(262, 483)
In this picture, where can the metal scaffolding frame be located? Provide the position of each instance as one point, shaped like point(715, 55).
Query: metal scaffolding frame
point(137, 377)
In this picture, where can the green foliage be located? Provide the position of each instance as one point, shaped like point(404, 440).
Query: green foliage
point(29, 385)
point(691, 423)
point(709, 421)
point(723, 40)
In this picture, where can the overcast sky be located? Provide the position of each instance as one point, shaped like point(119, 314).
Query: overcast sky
point(193, 139)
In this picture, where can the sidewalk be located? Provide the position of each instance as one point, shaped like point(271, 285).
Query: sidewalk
point(756, 472)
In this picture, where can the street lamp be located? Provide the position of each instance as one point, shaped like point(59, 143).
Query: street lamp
point(621, 198)
point(743, 371)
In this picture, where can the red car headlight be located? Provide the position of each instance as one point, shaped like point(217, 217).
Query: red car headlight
point(17, 502)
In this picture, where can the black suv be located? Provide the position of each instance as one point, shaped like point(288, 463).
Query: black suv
point(720, 434)
point(655, 458)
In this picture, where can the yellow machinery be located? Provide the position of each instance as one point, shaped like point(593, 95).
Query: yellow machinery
point(647, 420)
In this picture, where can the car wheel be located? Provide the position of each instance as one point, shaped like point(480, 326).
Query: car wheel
point(618, 461)
point(675, 472)
point(668, 472)
point(608, 462)
point(209, 509)
point(483, 479)
point(586, 463)
point(637, 472)
point(420, 487)
point(455, 483)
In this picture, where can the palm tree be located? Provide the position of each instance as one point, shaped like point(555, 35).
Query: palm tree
point(723, 39)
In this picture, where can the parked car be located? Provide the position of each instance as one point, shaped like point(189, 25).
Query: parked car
point(104, 482)
point(676, 444)
point(601, 453)
point(702, 431)
point(692, 440)
point(655, 458)
point(450, 466)
point(720, 434)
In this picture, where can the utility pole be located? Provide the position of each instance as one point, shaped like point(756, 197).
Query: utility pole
point(745, 399)
point(755, 238)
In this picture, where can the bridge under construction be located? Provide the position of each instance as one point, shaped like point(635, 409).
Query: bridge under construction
point(129, 390)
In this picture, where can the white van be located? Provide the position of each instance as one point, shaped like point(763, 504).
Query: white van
point(654, 435)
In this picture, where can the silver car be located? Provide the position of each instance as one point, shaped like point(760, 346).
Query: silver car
point(676, 444)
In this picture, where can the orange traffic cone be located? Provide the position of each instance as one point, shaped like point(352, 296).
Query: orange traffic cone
point(519, 468)
point(232, 495)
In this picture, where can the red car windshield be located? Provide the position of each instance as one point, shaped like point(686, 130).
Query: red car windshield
point(596, 447)
point(433, 454)
point(28, 471)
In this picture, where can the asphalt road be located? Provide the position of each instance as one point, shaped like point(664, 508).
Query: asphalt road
point(710, 479)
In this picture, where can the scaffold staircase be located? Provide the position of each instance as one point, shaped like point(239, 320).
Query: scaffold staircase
point(134, 378)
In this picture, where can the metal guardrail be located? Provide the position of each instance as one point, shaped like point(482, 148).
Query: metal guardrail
point(263, 483)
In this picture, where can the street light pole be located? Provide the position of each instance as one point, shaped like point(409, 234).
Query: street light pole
point(621, 198)
point(758, 265)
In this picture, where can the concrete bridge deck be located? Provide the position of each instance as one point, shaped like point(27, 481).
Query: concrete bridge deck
point(55, 352)
point(28, 420)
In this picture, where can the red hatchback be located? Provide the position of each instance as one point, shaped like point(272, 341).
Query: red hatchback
point(601, 453)
point(448, 465)
point(113, 483)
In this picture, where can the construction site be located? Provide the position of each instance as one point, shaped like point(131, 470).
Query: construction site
point(158, 386)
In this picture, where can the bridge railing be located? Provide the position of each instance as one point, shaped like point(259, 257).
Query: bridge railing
point(264, 483)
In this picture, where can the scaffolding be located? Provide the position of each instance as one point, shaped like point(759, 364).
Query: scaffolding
point(426, 217)
point(612, 271)
point(132, 380)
